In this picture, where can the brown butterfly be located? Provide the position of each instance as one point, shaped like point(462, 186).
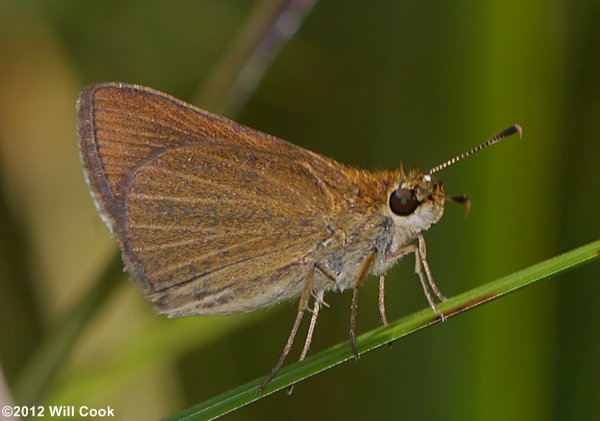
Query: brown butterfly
point(213, 217)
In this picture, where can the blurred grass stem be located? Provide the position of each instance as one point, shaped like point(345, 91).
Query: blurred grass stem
point(236, 76)
point(48, 359)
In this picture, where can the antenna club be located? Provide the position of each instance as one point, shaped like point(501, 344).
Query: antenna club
point(519, 131)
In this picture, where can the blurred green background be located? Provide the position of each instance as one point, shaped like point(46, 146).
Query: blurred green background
point(372, 85)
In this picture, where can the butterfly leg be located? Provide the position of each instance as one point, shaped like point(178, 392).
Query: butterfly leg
point(420, 263)
point(313, 323)
point(311, 328)
point(423, 253)
point(421, 266)
point(362, 272)
point(302, 306)
point(382, 300)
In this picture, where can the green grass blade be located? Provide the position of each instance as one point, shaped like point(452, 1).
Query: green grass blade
point(340, 353)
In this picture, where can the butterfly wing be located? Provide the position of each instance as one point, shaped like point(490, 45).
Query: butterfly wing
point(211, 216)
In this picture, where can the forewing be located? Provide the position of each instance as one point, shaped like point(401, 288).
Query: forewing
point(120, 125)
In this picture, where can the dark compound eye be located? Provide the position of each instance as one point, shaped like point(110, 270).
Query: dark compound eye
point(403, 202)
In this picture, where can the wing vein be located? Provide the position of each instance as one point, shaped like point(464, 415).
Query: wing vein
point(135, 116)
point(233, 264)
point(242, 193)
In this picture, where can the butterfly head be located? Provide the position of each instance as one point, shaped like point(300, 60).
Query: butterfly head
point(416, 202)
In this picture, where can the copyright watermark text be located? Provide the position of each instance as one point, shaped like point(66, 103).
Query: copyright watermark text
point(63, 411)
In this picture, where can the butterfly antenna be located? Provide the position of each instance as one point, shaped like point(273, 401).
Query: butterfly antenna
point(515, 129)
